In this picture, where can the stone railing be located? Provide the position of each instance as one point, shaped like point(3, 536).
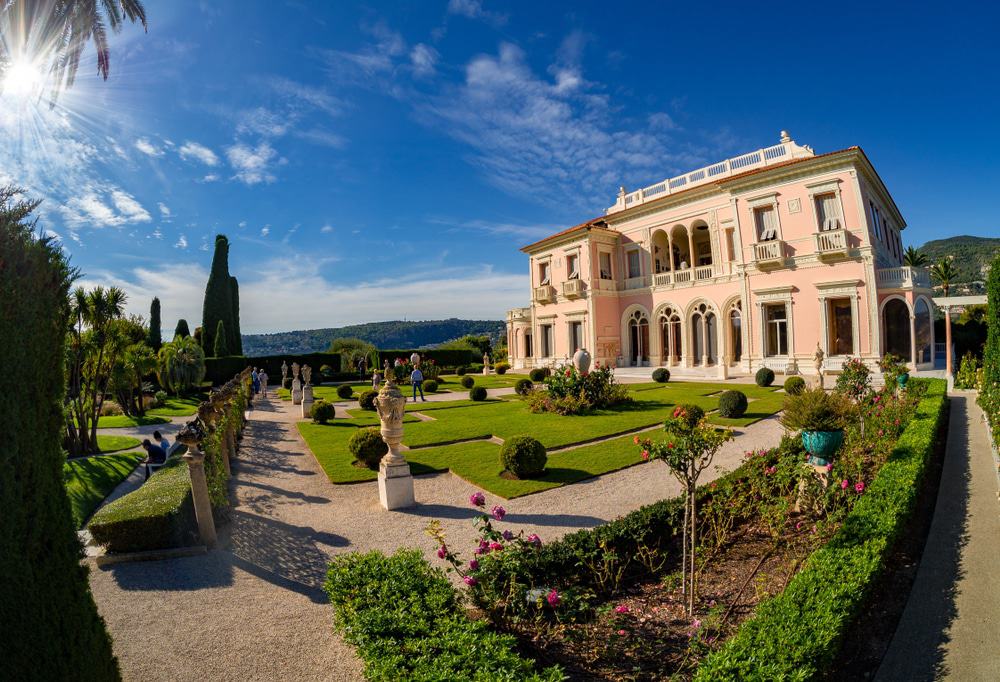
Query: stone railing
point(519, 314)
point(903, 277)
point(831, 243)
point(544, 294)
point(574, 288)
point(769, 253)
point(637, 282)
point(704, 272)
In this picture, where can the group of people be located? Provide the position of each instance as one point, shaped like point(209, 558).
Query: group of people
point(156, 451)
point(416, 376)
point(258, 378)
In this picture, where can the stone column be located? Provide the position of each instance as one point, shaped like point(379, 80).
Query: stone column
point(704, 340)
point(913, 342)
point(691, 262)
point(670, 254)
point(947, 345)
point(190, 436)
point(395, 483)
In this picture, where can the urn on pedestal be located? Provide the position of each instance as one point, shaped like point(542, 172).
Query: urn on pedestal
point(395, 483)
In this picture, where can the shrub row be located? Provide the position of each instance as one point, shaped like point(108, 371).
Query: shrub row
point(221, 370)
point(407, 622)
point(797, 634)
point(444, 357)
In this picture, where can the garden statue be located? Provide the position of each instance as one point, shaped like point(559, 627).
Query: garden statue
point(307, 392)
point(307, 374)
point(486, 364)
point(581, 360)
point(819, 363)
point(284, 372)
point(415, 359)
point(395, 483)
point(296, 385)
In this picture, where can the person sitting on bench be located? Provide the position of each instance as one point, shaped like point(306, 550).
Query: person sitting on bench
point(162, 442)
point(155, 456)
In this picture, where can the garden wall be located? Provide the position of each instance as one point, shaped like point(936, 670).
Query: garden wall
point(445, 357)
point(220, 370)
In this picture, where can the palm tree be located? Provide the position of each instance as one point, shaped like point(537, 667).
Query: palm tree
point(943, 272)
point(55, 33)
point(913, 258)
point(181, 365)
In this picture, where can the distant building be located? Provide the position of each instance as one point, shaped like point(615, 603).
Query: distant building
point(750, 262)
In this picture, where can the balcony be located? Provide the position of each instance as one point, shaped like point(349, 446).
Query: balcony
point(769, 254)
point(903, 278)
point(574, 288)
point(637, 282)
point(544, 294)
point(830, 245)
point(605, 284)
point(519, 314)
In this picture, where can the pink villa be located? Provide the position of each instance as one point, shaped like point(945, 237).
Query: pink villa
point(751, 262)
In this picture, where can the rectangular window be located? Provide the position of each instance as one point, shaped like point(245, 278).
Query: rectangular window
point(776, 331)
point(634, 268)
point(575, 336)
point(828, 212)
point(605, 265)
point(730, 245)
point(546, 340)
point(875, 221)
point(527, 345)
point(573, 266)
point(767, 223)
point(840, 326)
point(543, 274)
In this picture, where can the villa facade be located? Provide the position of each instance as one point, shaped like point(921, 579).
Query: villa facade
point(751, 262)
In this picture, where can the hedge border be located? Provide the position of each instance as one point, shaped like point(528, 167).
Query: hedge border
point(797, 634)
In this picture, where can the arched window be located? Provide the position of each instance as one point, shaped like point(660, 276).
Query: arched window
point(922, 328)
point(670, 336)
point(638, 337)
point(736, 332)
point(896, 328)
point(704, 330)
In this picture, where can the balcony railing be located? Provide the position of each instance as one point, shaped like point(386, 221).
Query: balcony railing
point(662, 279)
point(903, 278)
point(769, 254)
point(605, 284)
point(544, 294)
point(682, 276)
point(637, 282)
point(574, 288)
point(831, 244)
point(519, 314)
point(704, 272)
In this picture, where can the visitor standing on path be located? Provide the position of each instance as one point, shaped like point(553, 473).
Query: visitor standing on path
point(262, 377)
point(417, 379)
point(255, 381)
point(363, 367)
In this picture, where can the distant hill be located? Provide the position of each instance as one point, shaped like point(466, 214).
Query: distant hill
point(972, 255)
point(387, 335)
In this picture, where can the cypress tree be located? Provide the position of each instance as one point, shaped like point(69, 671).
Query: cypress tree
point(221, 347)
point(155, 335)
point(991, 354)
point(49, 624)
point(233, 325)
point(221, 300)
point(182, 329)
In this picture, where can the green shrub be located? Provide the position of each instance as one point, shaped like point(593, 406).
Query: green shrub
point(795, 385)
point(732, 404)
point(345, 391)
point(661, 375)
point(431, 386)
point(523, 386)
point(367, 446)
point(322, 411)
point(49, 624)
point(796, 634)
point(538, 374)
point(407, 623)
point(967, 370)
point(461, 370)
point(692, 414)
point(523, 456)
point(159, 398)
point(366, 401)
point(157, 515)
point(816, 410)
point(478, 393)
point(764, 377)
point(501, 367)
point(468, 382)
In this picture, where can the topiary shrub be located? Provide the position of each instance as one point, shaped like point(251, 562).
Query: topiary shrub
point(345, 391)
point(538, 374)
point(468, 382)
point(322, 411)
point(795, 385)
point(764, 377)
point(431, 386)
point(661, 375)
point(286, 383)
point(159, 398)
point(523, 457)
point(368, 447)
point(366, 401)
point(502, 367)
point(523, 386)
point(478, 393)
point(461, 370)
point(732, 404)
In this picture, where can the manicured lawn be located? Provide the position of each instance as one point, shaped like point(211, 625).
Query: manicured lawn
point(443, 444)
point(89, 480)
point(177, 407)
point(453, 381)
point(124, 421)
point(108, 443)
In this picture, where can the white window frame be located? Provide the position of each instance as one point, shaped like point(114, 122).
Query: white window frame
point(547, 264)
point(819, 189)
point(840, 289)
point(765, 201)
point(628, 260)
point(574, 253)
point(611, 265)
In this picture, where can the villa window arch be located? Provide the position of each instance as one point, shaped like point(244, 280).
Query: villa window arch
point(704, 335)
point(735, 331)
point(923, 332)
point(671, 337)
point(638, 338)
point(896, 337)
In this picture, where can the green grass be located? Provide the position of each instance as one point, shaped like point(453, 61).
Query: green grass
point(89, 480)
point(124, 421)
point(444, 443)
point(114, 443)
point(177, 407)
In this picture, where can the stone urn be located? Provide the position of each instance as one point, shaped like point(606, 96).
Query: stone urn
point(581, 360)
point(902, 379)
point(822, 445)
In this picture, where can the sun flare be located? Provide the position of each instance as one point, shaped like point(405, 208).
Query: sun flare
point(22, 79)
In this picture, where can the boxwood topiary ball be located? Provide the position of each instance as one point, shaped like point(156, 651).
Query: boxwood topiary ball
point(366, 401)
point(344, 391)
point(523, 386)
point(661, 375)
point(764, 377)
point(461, 370)
point(431, 386)
point(795, 385)
point(478, 393)
point(732, 404)
point(322, 411)
point(537, 374)
point(468, 382)
point(368, 447)
point(523, 457)
point(502, 368)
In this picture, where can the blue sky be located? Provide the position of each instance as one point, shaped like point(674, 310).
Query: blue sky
point(384, 160)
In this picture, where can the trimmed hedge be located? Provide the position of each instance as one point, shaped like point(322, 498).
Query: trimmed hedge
point(794, 385)
point(368, 447)
point(221, 370)
point(345, 391)
point(443, 357)
point(478, 393)
point(661, 375)
point(322, 411)
point(523, 386)
point(523, 456)
point(431, 386)
point(797, 634)
point(158, 515)
point(467, 382)
point(407, 623)
point(732, 404)
point(366, 401)
point(764, 377)
point(538, 374)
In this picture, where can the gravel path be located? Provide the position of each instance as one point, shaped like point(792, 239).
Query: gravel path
point(254, 609)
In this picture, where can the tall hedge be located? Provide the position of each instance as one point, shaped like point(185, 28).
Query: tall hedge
point(182, 330)
point(155, 333)
point(49, 625)
point(222, 300)
point(991, 354)
point(221, 347)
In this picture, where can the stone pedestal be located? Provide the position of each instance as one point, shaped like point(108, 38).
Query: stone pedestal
point(307, 400)
point(486, 371)
point(296, 392)
point(199, 495)
point(395, 483)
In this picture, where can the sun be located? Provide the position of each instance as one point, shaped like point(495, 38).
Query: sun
point(22, 79)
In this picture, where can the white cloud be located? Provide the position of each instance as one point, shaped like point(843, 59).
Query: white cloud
point(164, 210)
point(147, 147)
point(211, 177)
point(520, 231)
point(155, 234)
point(372, 60)
point(263, 121)
point(103, 207)
point(424, 58)
point(182, 242)
point(322, 137)
point(242, 223)
point(193, 150)
point(661, 121)
point(266, 230)
point(473, 9)
point(306, 94)
point(251, 163)
point(326, 229)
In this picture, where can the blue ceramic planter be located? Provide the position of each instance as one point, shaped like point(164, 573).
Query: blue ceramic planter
point(902, 379)
point(822, 445)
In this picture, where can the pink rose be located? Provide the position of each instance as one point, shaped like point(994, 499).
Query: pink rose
point(553, 598)
point(442, 552)
point(622, 608)
point(844, 484)
point(477, 499)
point(621, 633)
point(645, 454)
point(470, 581)
point(473, 564)
point(859, 487)
point(498, 512)
point(535, 540)
point(496, 546)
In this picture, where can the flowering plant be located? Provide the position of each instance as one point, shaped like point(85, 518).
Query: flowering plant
point(855, 380)
point(573, 392)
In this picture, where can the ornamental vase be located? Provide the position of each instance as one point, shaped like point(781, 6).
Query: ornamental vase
point(581, 360)
point(822, 445)
point(902, 379)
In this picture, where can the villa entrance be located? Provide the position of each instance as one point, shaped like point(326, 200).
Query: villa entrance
point(638, 338)
point(896, 329)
